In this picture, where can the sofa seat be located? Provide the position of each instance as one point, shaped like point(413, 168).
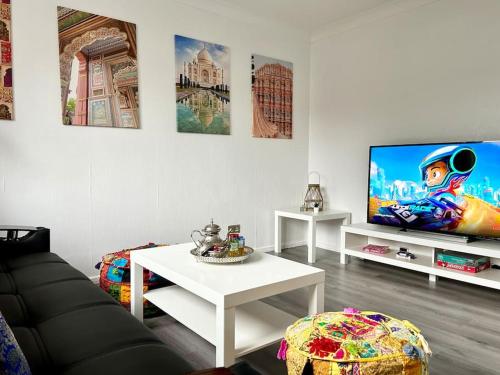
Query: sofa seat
point(124, 361)
point(66, 325)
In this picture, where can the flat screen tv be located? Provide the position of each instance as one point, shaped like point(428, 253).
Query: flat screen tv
point(451, 188)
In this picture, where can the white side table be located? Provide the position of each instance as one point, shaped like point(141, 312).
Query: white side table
point(312, 219)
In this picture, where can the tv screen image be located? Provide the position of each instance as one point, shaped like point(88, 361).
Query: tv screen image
point(452, 188)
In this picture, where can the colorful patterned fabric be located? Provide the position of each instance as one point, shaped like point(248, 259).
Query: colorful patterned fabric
point(355, 342)
point(115, 278)
point(12, 360)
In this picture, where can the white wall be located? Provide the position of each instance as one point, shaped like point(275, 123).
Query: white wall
point(101, 190)
point(431, 74)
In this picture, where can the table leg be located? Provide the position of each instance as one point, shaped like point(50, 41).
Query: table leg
point(136, 290)
point(224, 342)
point(278, 220)
point(347, 220)
point(317, 299)
point(311, 242)
point(344, 258)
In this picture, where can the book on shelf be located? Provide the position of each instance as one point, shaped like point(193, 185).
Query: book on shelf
point(376, 249)
point(464, 267)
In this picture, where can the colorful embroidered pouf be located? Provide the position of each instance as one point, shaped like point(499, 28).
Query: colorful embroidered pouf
point(114, 278)
point(354, 343)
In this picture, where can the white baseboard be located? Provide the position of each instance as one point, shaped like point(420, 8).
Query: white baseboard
point(284, 245)
point(321, 245)
point(328, 246)
point(94, 279)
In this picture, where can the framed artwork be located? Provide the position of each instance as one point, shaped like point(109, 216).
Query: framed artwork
point(6, 84)
point(98, 70)
point(99, 112)
point(202, 84)
point(97, 73)
point(128, 119)
point(272, 97)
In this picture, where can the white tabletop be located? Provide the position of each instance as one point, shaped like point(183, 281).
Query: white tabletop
point(259, 276)
point(295, 212)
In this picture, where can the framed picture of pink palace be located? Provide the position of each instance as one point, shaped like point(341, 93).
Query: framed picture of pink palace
point(272, 97)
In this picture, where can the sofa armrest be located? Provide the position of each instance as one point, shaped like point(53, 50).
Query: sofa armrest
point(21, 240)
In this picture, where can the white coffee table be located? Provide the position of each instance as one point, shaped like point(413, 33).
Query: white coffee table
point(221, 302)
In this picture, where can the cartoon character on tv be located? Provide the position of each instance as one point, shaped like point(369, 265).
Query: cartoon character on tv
point(443, 172)
point(446, 169)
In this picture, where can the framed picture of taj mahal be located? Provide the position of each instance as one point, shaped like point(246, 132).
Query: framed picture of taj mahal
point(272, 97)
point(202, 86)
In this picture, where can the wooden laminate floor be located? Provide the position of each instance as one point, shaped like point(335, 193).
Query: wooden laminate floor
point(460, 321)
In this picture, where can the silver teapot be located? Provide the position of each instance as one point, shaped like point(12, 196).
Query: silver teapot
point(209, 238)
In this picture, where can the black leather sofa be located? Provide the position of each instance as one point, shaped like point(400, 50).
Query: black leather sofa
point(67, 325)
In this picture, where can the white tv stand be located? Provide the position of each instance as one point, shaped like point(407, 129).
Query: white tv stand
point(355, 236)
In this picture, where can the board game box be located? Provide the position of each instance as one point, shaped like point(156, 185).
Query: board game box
point(463, 267)
point(464, 259)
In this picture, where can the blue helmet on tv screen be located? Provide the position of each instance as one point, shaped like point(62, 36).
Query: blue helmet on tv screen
point(460, 161)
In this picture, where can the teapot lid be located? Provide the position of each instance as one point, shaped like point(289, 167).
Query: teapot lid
point(212, 228)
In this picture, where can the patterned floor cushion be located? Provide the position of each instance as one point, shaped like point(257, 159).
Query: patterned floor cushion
point(354, 342)
point(114, 278)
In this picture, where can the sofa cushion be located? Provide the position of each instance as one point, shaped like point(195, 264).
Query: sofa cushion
point(33, 349)
point(7, 284)
point(44, 273)
point(85, 333)
point(31, 259)
point(12, 359)
point(13, 309)
point(142, 359)
point(47, 301)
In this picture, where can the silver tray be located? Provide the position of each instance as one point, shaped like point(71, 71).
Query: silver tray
point(223, 260)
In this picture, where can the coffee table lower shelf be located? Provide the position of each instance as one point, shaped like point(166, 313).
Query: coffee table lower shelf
point(257, 324)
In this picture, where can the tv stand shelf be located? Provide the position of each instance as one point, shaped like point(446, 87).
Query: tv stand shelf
point(354, 237)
